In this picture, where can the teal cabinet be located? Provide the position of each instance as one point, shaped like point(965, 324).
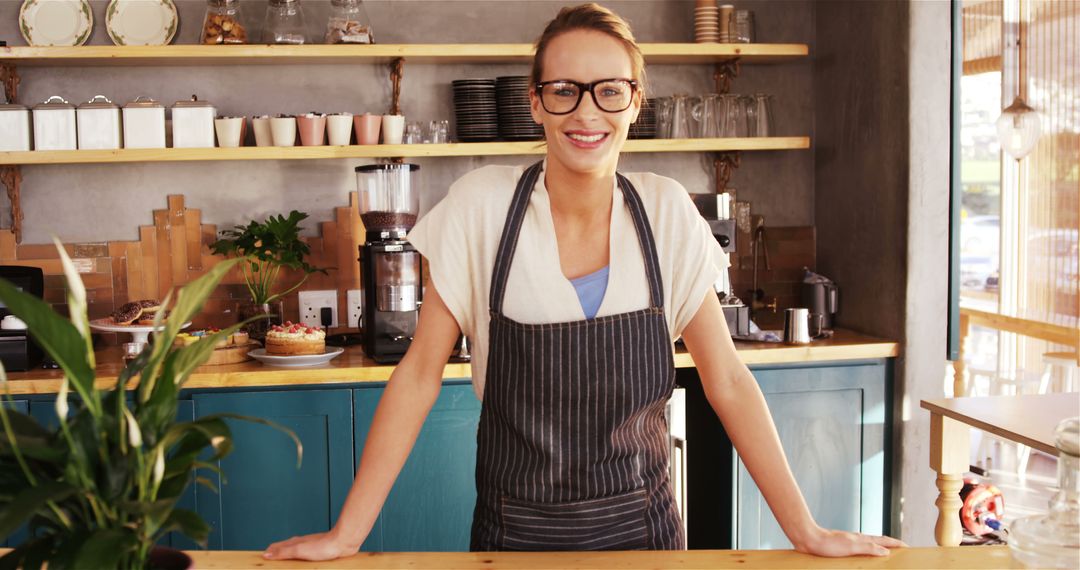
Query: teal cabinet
point(430, 507)
point(265, 497)
point(832, 422)
point(15, 538)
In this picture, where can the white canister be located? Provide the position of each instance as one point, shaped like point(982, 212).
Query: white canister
point(15, 126)
point(99, 124)
point(54, 125)
point(193, 124)
point(144, 124)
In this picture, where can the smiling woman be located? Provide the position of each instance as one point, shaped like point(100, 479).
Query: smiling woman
point(572, 448)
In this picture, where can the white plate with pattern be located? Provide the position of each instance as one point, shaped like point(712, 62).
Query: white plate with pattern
point(141, 22)
point(56, 22)
point(298, 360)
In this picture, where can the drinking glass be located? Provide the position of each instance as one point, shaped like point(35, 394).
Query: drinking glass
point(413, 133)
point(705, 115)
point(439, 132)
point(680, 117)
point(663, 117)
point(761, 125)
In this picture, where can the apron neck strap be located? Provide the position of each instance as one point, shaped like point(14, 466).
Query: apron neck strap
point(512, 230)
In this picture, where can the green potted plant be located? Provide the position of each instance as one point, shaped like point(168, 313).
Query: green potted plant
point(100, 490)
point(267, 248)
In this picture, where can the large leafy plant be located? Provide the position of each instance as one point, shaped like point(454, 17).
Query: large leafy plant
point(101, 490)
point(267, 248)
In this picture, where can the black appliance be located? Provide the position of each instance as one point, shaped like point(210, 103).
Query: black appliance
point(822, 298)
point(390, 267)
point(18, 351)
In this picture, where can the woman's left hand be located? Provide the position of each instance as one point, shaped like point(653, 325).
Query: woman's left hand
point(836, 543)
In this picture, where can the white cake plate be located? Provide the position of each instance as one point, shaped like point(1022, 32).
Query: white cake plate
point(139, 333)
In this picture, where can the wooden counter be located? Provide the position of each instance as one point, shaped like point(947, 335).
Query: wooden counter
point(938, 558)
point(353, 366)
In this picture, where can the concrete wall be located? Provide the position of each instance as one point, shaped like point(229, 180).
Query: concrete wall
point(881, 207)
point(107, 202)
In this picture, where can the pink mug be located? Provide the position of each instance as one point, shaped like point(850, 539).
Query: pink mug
point(367, 128)
point(312, 129)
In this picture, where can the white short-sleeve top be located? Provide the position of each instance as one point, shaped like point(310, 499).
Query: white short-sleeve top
point(459, 238)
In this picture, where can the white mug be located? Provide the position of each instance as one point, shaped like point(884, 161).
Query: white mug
point(263, 136)
point(339, 129)
point(393, 127)
point(229, 131)
point(284, 131)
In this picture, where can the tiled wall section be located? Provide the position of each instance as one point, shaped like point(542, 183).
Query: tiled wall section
point(175, 250)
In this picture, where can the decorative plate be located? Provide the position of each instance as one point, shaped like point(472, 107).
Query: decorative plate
point(56, 22)
point(141, 22)
point(299, 360)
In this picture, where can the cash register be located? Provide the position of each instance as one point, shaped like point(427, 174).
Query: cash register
point(18, 351)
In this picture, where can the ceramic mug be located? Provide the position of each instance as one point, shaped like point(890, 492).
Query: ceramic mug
point(339, 129)
point(261, 126)
point(312, 129)
point(283, 130)
point(393, 128)
point(230, 131)
point(367, 128)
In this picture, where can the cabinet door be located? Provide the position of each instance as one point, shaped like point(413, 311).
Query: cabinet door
point(430, 508)
point(20, 534)
point(831, 422)
point(265, 498)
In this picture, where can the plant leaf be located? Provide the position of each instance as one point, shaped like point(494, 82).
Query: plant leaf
point(29, 502)
point(105, 549)
point(76, 299)
point(189, 523)
point(29, 555)
point(275, 425)
point(57, 337)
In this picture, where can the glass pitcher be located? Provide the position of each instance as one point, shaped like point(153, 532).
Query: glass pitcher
point(706, 116)
point(735, 115)
point(759, 116)
point(663, 117)
point(681, 120)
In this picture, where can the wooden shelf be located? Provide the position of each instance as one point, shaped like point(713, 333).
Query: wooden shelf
point(380, 151)
point(178, 55)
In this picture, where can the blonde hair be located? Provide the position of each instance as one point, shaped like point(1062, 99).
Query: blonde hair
point(596, 18)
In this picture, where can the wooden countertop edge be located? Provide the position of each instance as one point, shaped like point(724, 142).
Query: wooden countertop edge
point(253, 375)
point(929, 557)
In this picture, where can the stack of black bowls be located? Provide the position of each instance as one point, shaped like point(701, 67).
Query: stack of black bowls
point(476, 110)
point(515, 118)
point(645, 126)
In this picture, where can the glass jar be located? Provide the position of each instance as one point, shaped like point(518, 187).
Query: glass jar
point(1051, 540)
point(284, 23)
point(345, 24)
point(223, 23)
point(260, 318)
point(741, 27)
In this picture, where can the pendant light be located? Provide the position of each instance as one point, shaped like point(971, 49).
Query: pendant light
point(1019, 126)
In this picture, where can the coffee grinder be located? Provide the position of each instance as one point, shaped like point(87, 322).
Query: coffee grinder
point(389, 201)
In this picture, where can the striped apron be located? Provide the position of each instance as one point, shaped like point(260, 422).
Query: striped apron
point(572, 448)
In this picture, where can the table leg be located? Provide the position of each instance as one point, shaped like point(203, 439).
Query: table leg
point(949, 442)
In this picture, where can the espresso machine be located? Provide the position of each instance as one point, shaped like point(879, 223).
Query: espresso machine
point(716, 209)
point(390, 268)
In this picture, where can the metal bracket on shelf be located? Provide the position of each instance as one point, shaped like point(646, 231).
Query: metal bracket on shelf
point(11, 177)
point(397, 70)
point(9, 77)
point(725, 165)
point(724, 73)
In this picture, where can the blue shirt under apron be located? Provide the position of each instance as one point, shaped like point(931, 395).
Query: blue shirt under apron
point(590, 291)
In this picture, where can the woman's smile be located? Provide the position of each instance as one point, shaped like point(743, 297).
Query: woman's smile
point(586, 139)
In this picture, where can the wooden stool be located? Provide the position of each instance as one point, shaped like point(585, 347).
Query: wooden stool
point(1066, 361)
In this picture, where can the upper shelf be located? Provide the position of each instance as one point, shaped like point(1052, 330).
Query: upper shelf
point(378, 53)
point(380, 151)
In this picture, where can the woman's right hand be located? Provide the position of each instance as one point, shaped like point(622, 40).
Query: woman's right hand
point(319, 546)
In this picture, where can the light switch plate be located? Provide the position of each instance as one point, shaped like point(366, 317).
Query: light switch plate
point(311, 305)
point(353, 302)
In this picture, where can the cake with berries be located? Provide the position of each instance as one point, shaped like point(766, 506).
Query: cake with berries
point(294, 340)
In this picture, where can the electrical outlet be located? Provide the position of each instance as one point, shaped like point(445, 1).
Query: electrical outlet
point(311, 305)
point(353, 303)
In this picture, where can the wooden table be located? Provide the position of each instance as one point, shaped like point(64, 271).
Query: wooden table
point(1029, 420)
point(908, 558)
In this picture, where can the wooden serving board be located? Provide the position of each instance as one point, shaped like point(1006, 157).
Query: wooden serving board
point(232, 354)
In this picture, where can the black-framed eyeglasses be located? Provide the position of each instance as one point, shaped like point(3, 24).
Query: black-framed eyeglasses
point(562, 96)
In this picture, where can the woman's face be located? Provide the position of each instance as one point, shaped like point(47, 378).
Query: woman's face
point(588, 139)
